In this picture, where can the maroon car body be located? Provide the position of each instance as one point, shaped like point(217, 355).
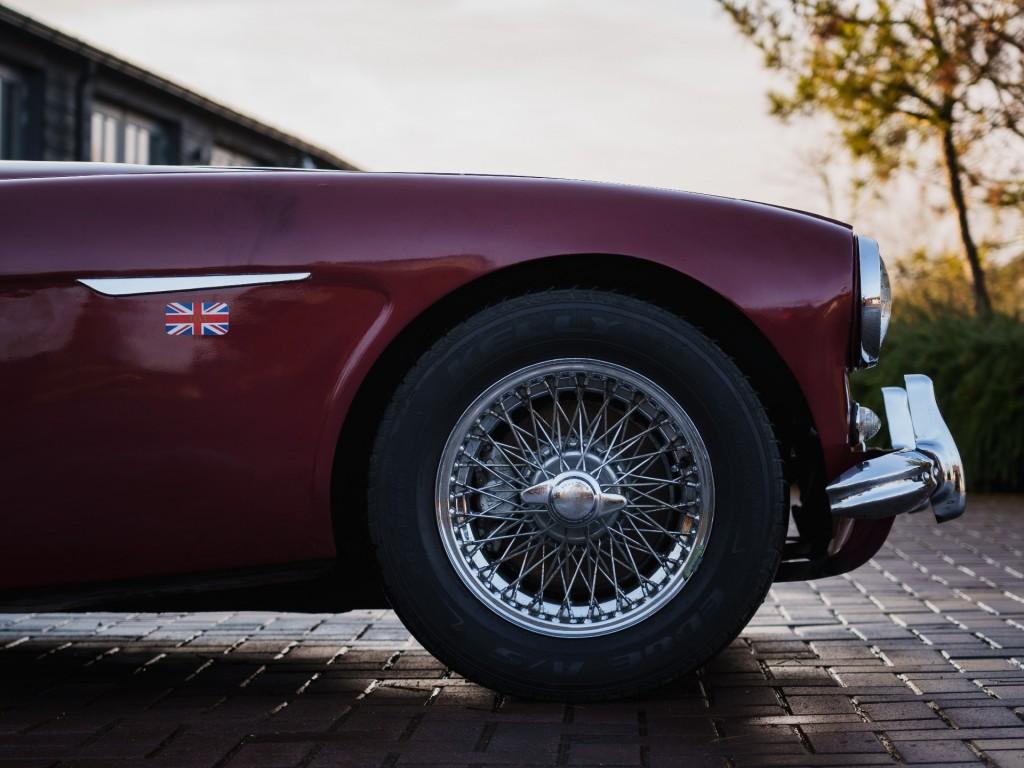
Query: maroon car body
point(131, 453)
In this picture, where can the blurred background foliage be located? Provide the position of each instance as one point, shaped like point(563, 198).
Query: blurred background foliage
point(915, 85)
point(927, 286)
point(977, 363)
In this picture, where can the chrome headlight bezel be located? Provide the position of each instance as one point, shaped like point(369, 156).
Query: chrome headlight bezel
point(875, 301)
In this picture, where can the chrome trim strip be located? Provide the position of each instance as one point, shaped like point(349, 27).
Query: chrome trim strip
point(923, 470)
point(131, 286)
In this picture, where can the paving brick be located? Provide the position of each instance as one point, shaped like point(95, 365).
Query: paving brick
point(126, 741)
point(603, 752)
point(1007, 758)
point(820, 705)
point(947, 751)
point(846, 742)
point(831, 673)
point(904, 710)
point(982, 717)
point(270, 755)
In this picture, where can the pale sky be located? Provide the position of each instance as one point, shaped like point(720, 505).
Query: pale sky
point(657, 92)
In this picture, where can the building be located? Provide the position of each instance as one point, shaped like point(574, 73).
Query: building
point(61, 99)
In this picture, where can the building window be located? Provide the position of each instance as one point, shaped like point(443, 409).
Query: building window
point(13, 114)
point(120, 136)
point(223, 156)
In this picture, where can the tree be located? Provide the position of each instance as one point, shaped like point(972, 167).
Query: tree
point(898, 75)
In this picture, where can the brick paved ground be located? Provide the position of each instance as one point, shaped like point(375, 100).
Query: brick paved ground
point(915, 658)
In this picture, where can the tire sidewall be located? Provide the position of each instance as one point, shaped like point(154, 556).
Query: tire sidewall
point(712, 606)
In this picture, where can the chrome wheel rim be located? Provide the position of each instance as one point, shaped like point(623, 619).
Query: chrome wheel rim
point(575, 497)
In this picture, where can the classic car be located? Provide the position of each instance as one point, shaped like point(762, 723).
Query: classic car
point(573, 430)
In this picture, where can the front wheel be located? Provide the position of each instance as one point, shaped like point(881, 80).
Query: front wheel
point(575, 495)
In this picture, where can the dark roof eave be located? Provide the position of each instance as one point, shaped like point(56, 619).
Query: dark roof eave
point(128, 69)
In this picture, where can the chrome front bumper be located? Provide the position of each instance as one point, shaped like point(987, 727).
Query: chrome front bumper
point(923, 469)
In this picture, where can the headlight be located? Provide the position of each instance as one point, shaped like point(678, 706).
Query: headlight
point(875, 301)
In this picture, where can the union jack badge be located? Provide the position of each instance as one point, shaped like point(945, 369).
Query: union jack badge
point(207, 318)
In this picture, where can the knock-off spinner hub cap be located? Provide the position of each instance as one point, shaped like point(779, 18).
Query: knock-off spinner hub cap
point(574, 497)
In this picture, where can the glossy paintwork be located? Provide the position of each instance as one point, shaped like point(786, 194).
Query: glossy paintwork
point(134, 453)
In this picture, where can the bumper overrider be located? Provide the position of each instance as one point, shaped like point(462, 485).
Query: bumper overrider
point(922, 470)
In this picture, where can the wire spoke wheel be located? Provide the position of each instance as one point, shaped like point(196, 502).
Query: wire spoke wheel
point(575, 497)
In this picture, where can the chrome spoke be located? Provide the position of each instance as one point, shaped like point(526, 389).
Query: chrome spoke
point(492, 469)
point(600, 417)
point(641, 466)
point(620, 495)
point(472, 489)
point(658, 527)
point(485, 516)
point(537, 462)
point(508, 451)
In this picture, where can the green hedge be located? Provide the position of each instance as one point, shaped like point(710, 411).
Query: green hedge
point(978, 370)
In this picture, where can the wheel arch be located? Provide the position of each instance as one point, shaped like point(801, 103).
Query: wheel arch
point(713, 314)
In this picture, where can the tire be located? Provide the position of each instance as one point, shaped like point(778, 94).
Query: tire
point(650, 609)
